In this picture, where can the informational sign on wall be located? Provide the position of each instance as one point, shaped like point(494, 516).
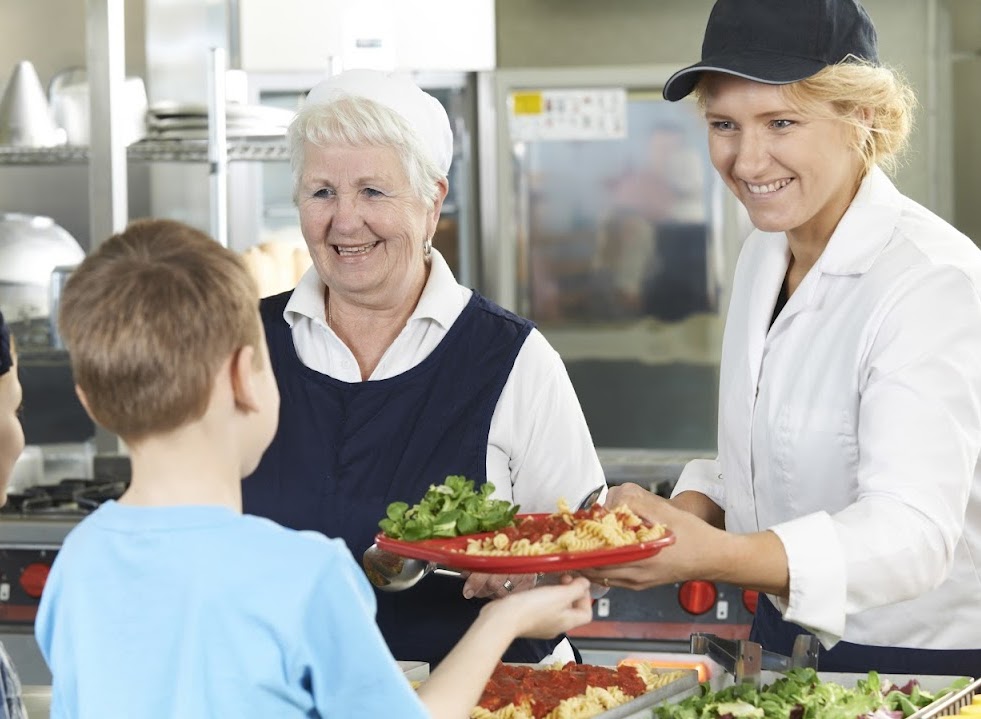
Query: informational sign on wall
point(573, 114)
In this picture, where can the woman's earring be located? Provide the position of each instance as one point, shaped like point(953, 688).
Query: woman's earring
point(427, 248)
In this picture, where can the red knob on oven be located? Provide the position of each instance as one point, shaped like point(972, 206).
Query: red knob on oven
point(697, 596)
point(750, 598)
point(33, 577)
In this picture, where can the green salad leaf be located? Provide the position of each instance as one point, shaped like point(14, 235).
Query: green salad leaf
point(450, 509)
point(800, 694)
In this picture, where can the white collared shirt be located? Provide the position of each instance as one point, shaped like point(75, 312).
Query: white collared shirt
point(852, 426)
point(539, 448)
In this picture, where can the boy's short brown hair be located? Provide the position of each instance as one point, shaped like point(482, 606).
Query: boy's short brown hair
point(148, 318)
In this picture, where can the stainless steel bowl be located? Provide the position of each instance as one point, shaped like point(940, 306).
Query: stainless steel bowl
point(31, 247)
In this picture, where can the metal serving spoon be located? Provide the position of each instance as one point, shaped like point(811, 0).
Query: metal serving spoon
point(393, 573)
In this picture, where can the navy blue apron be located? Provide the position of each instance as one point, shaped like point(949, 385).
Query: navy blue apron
point(344, 451)
point(777, 635)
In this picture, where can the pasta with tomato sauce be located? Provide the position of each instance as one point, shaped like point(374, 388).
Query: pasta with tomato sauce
point(566, 531)
point(572, 691)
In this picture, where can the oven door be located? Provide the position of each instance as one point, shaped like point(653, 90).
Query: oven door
point(27, 550)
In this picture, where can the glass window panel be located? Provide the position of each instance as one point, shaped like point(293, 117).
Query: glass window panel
point(621, 265)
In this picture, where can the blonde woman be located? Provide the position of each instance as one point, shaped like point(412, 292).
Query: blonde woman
point(847, 487)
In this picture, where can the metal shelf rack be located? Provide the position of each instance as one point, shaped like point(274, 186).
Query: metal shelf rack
point(62, 155)
point(251, 150)
point(238, 150)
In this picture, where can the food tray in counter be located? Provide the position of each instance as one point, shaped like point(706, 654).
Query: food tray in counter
point(683, 684)
point(640, 707)
point(951, 704)
point(946, 705)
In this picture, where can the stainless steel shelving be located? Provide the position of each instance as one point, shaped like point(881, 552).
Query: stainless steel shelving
point(239, 150)
point(61, 155)
point(253, 150)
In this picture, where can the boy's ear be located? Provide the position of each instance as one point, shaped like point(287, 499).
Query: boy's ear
point(243, 379)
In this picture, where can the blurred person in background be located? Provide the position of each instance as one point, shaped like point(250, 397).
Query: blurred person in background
point(652, 249)
point(11, 445)
point(847, 487)
point(11, 432)
point(392, 375)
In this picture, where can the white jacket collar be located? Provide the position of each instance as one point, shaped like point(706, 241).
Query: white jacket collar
point(865, 229)
point(439, 300)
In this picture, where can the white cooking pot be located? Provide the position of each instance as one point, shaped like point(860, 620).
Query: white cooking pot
point(69, 100)
point(31, 247)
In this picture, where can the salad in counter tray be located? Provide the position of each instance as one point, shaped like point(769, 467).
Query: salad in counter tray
point(801, 694)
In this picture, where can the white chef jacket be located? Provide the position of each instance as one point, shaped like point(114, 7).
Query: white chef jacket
point(539, 448)
point(852, 426)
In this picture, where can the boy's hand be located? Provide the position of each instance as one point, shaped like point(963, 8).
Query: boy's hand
point(497, 585)
point(545, 612)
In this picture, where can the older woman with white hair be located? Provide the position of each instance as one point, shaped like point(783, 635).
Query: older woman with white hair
point(392, 375)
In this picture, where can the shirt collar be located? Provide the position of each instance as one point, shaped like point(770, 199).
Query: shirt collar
point(307, 299)
point(865, 229)
point(438, 301)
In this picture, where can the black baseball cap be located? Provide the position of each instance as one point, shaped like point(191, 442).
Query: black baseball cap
point(778, 41)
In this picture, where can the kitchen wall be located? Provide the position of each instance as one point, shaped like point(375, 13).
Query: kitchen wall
point(51, 34)
point(966, 24)
point(570, 33)
point(567, 33)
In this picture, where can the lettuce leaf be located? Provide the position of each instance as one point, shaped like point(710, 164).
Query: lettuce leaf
point(450, 509)
point(800, 694)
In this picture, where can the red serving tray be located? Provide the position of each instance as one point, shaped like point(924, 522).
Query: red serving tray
point(450, 552)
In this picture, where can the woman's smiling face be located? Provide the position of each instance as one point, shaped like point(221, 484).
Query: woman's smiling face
point(363, 224)
point(793, 173)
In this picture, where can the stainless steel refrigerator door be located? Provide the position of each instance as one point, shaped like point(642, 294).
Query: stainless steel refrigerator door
point(611, 236)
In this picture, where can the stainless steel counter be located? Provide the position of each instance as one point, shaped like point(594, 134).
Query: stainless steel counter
point(37, 701)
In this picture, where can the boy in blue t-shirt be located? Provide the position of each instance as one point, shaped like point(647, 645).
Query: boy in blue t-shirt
point(170, 602)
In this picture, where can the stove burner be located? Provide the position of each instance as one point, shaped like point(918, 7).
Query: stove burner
point(68, 497)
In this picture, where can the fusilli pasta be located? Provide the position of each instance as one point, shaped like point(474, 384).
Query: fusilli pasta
point(567, 531)
point(572, 691)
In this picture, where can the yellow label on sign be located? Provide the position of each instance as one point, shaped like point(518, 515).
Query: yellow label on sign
point(528, 103)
